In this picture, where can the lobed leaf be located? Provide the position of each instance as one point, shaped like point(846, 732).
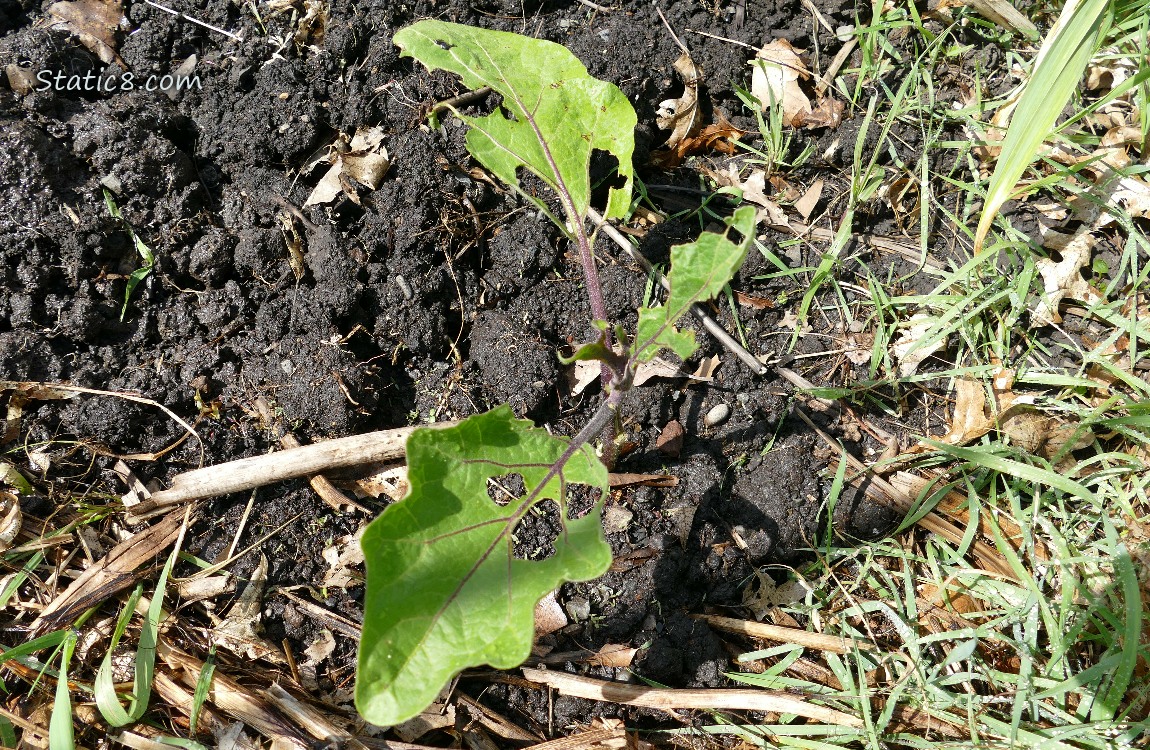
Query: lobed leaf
point(699, 271)
point(444, 590)
point(553, 115)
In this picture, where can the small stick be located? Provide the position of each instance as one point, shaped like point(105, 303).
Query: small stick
point(671, 31)
point(836, 64)
point(328, 619)
point(196, 21)
point(249, 473)
point(594, 6)
point(462, 100)
point(323, 486)
point(709, 323)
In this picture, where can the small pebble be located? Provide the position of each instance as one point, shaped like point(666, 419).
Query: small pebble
point(616, 519)
point(578, 609)
point(287, 366)
point(717, 415)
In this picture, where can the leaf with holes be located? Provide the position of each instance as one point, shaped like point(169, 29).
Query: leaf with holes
point(553, 115)
point(699, 271)
point(444, 589)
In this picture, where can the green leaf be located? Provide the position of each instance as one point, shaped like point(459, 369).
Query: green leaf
point(553, 114)
point(444, 591)
point(1057, 72)
point(145, 663)
point(146, 255)
point(61, 735)
point(699, 271)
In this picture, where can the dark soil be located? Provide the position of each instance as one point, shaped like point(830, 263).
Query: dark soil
point(438, 297)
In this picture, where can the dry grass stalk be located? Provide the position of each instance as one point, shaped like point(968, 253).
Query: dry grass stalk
point(704, 699)
point(257, 471)
point(116, 571)
point(307, 717)
point(820, 641)
point(592, 740)
point(233, 699)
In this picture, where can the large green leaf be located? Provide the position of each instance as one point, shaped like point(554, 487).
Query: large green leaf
point(553, 114)
point(699, 271)
point(444, 591)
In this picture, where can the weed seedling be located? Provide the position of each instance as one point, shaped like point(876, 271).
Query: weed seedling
point(147, 258)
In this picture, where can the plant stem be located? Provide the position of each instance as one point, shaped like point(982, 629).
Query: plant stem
point(590, 272)
point(599, 421)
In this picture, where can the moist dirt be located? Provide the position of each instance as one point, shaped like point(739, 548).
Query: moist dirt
point(437, 296)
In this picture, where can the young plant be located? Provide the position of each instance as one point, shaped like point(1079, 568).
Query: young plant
point(444, 588)
point(147, 257)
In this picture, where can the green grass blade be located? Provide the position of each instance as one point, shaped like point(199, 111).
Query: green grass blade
point(105, 691)
point(1108, 704)
point(61, 735)
point(203, 685)
point(1057, 72)
point(1014, 468)
point(50, 640)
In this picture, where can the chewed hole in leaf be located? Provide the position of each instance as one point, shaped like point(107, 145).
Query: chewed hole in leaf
point(735, 236)
point(508, 114)
point(535, 535)
point(507, 488)
point(605, 171)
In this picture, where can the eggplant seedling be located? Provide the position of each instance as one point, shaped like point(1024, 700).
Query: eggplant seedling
point(445, 590)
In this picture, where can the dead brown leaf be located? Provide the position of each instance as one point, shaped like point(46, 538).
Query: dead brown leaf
point(681, 116)
point(754, 191)
point(719, 136)
point(344, 559)
point(969, 419)
point(670, 440)
point(549, 616)
point(827, 113)
point(806, 204)
point(750, 300)
point(1063, 279)
point(364, 160)
point(582, 374)
point(95, 23)
point(11, 519)
point(775, 81)
point(239, 631)
point(907, 347)
point(706, 369)
point(614, 655)
point(646, 480)
point(657, 368)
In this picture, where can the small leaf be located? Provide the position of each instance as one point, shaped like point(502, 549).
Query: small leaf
point(444, 590)
point(553, 114)
point(699, 271)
